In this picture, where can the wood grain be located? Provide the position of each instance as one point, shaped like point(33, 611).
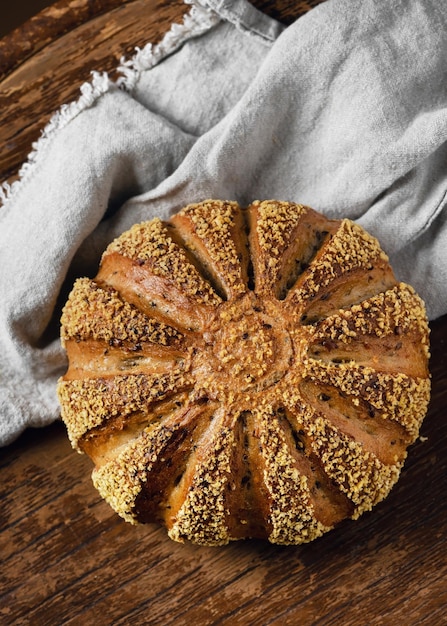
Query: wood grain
point(68, 559)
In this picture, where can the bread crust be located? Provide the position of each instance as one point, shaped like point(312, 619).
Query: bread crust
point(244, 372)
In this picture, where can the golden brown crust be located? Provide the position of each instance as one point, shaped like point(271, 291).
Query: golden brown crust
point(213, 232)
point(99, 313)
point(241, 373)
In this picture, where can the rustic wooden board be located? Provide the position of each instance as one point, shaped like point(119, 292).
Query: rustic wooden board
point(66, 558)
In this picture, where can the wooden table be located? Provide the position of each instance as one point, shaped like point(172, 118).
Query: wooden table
point(66, 558)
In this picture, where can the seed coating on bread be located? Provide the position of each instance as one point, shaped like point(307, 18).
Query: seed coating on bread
point(244, 372)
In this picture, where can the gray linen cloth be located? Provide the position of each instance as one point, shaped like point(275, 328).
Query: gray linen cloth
point(345, 110)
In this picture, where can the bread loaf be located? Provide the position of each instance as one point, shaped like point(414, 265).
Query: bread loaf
point(238, 373)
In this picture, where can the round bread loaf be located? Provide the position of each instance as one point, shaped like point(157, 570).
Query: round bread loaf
point(237, 373)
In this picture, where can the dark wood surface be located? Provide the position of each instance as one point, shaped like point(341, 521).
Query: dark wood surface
point(66, 558)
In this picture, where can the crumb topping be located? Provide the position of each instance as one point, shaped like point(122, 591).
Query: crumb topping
point(349, 248)
point(245, 345)
point(291, 512)
point(120, 481)
point(357, 472)
point(276, 221)
point(89, 402)
point(396, 397)
point(214, 222)
point(397, 311)
point(202, 517)
point(149, 244)
point(97, 313)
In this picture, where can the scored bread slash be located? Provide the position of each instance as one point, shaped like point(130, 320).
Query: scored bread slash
point(239, 373)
